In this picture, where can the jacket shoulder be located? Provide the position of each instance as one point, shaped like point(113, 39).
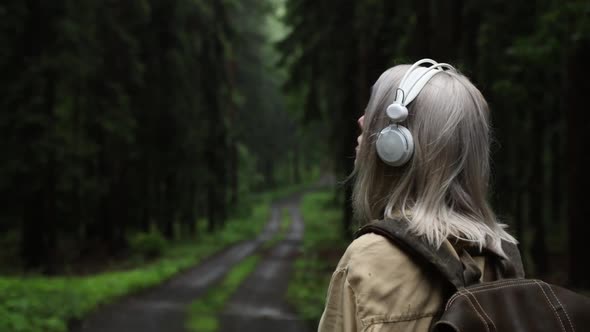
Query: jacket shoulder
point(388, 285)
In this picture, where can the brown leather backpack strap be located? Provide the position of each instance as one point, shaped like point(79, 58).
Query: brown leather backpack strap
point(441, 259)
point(511, 268)
point(507, 266)
point(471, 273)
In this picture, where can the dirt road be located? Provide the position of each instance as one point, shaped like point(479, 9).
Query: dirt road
point(259, 304)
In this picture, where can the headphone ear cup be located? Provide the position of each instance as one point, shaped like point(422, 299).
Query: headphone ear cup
point(395, 145)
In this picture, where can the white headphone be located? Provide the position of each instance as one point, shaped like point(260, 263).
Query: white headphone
point(395, 144)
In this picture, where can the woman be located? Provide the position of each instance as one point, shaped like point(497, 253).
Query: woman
point(438, 184)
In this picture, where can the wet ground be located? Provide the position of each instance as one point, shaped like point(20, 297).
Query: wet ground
point(258, 305)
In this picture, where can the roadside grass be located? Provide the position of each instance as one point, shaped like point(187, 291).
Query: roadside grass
point(323, 244)
point(50, 304)
point(204, 312)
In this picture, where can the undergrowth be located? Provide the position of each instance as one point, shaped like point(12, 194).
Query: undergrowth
point(323, 244)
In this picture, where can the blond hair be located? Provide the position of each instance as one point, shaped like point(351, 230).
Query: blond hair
point(442, 191)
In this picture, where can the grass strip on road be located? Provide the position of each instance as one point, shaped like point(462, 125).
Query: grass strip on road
point(283, 229)
point(204, 312)
point(323, 244)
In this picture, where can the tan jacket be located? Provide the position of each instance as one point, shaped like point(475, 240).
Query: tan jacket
point(377, 287)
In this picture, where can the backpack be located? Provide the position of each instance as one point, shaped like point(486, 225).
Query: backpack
point(511, 303)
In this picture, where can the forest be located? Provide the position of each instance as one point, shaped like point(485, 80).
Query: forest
point(122, 116)
point(162, 120)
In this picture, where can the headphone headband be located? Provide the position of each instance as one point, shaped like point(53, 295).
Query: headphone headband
point(416, 78)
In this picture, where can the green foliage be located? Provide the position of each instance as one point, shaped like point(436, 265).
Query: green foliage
point(322, 247)
point(245, 228)
point(203, 312)
point(148, 245)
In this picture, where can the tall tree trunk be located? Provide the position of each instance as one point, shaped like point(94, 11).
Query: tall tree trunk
point(39, 224)
point(578, 161)
point(216, 164)
point(51, 194)
point(471, 19)
point(518, 188)
point(446, 37)
point(79, 213)
point(232, 141)
point(34, 247)
point(39, 231)
point(233, 173)
point(146, 197)
point(212, 219)
point(536, 186)
point(556, 185)
point(168, 207)
point(420, 46)
point(296, 163)
point(190, 217)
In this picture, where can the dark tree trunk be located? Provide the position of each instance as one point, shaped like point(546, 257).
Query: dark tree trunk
point(268, 171)
point(516, 181)
point(296, 163)
point(233, 173)
point(216, 165)
point(471, 21)
point(51, 195)
point(232, 148)
point(578, 161)
point(536, 186)
point(39, 227)
point(519, 214)
point(216, 151)
point(420, 46)
point(211, 207)
point(446, 37)
point(145, 210)
point(106, 200)
point(190, 217)
point(80, 214)
point(168, 208)
point(34, 248)
point(556, 189)
point(39, 224)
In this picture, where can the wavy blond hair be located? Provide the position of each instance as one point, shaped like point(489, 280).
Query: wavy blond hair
point(442, 191)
